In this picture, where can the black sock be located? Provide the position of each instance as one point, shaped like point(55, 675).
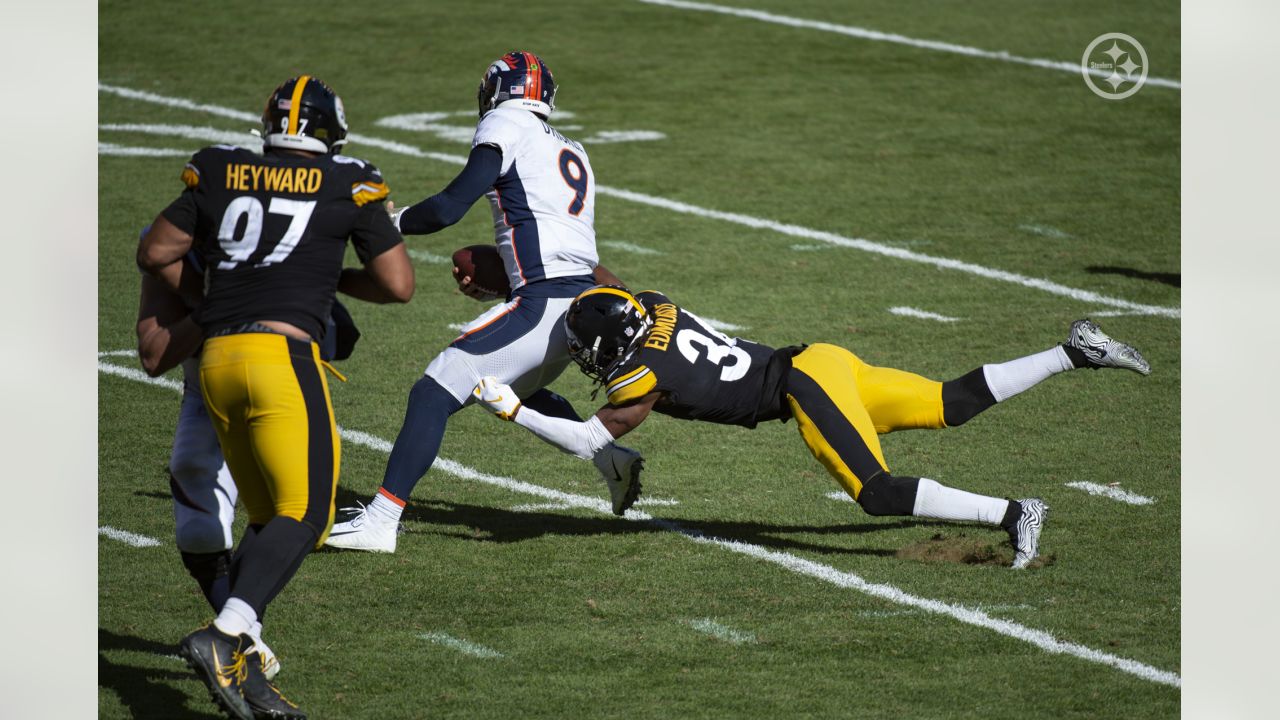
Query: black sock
point(270, 560)
point(1011, 515)
point(965, 397)
point(1078, 358)
point(210, 571)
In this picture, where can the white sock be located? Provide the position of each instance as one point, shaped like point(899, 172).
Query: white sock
point(236, 617)
point(255, 632)
point(935, 500)
point(1010, 378)
point(384, 508)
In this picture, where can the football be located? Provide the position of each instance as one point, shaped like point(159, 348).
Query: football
point(484, 265)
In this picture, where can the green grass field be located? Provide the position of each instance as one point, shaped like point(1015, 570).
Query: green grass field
point(818, 610)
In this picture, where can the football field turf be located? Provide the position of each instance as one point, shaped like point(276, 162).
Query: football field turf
point(930, 209)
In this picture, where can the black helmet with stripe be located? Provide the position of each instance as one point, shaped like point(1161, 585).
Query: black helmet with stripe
point(304, 114)
point(602, 325)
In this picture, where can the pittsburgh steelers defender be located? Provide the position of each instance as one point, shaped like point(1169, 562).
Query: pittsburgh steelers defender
point(541, 190)
point(204, 495)
point(652, 355)
point(272, 230)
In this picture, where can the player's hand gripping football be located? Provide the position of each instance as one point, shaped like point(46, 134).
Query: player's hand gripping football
point(394, 212)
point(470, 289)
point(497, 396)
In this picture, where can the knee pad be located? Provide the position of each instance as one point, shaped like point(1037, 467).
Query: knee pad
point(885, 494)
point(199, 532)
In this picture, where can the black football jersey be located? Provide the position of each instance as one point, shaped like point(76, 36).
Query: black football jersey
point(272, 231)
point(702, 373)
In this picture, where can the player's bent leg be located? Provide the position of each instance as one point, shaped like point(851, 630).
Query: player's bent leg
point(374, 527)
point(823, 397)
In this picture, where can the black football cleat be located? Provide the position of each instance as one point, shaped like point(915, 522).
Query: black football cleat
point(219, 661)
point(263, 696)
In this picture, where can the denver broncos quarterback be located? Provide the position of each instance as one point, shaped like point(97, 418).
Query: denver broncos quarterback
point(271, 231)
point(652, 355)
point(541, 190)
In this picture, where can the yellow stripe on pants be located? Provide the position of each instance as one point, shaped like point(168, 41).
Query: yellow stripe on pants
point(269, 401)
point(842, 405)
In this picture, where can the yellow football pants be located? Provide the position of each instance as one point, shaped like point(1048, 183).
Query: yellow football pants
point(841, 405)
point(269, 402)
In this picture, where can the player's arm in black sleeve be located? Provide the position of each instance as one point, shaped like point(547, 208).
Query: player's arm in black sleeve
point(449, 205)
point(387, 275)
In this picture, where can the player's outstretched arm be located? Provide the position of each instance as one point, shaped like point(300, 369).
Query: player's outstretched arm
point(166, 333)
point(583, 439)
point(449, 205)
point(604, 276)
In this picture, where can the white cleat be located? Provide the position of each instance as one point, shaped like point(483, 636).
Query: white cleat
point(270, 663)
point(1025, 533)
point(363, 531)
point(1104, 351)
point(620, 469)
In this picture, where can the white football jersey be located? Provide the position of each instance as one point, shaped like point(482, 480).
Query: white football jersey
point(544, 201)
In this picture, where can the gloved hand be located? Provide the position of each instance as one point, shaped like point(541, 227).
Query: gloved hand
point(394, 212)
point(497, 396)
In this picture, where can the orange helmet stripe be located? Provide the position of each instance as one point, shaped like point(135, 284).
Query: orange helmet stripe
point(533, 77)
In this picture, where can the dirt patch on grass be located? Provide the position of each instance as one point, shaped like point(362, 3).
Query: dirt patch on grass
point(964, 548)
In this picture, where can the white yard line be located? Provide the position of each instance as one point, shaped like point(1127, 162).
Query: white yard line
point(657, 502)
point(628, 247)
point(427, 256)
point(707, 626)
point(1046, 231)
point(825, 573)
point(922, 314)
point(466, 647)
point(734, 218)
point(840, 496)
point(722, 326)
point(875, 35)
point(539, 507)
point(1114, 493)
point(139, 541)
point(105, 148)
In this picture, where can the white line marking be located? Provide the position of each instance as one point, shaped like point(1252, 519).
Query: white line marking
point(465, 647)
point(617, 136)
point(840, 496)
point(105, 148)
point(539, 507)
point(808, 248)
point(430, 257)
point(138, 375)
point(1046, 231)
point(128, 538)
point(746, 220)
point(888, 251)
point(657, 502)
point(118, 353)
point(722, 326)
point(1114, 493)
point(457, 327)
point(868, 34)
point(722, 632)
point(922, 314)
point(192, 132)
point(825, 573)
point(628, 247)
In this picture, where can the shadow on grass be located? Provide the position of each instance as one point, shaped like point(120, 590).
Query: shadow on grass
point(480, 523)
point(148, 692)
point(1171, 279)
